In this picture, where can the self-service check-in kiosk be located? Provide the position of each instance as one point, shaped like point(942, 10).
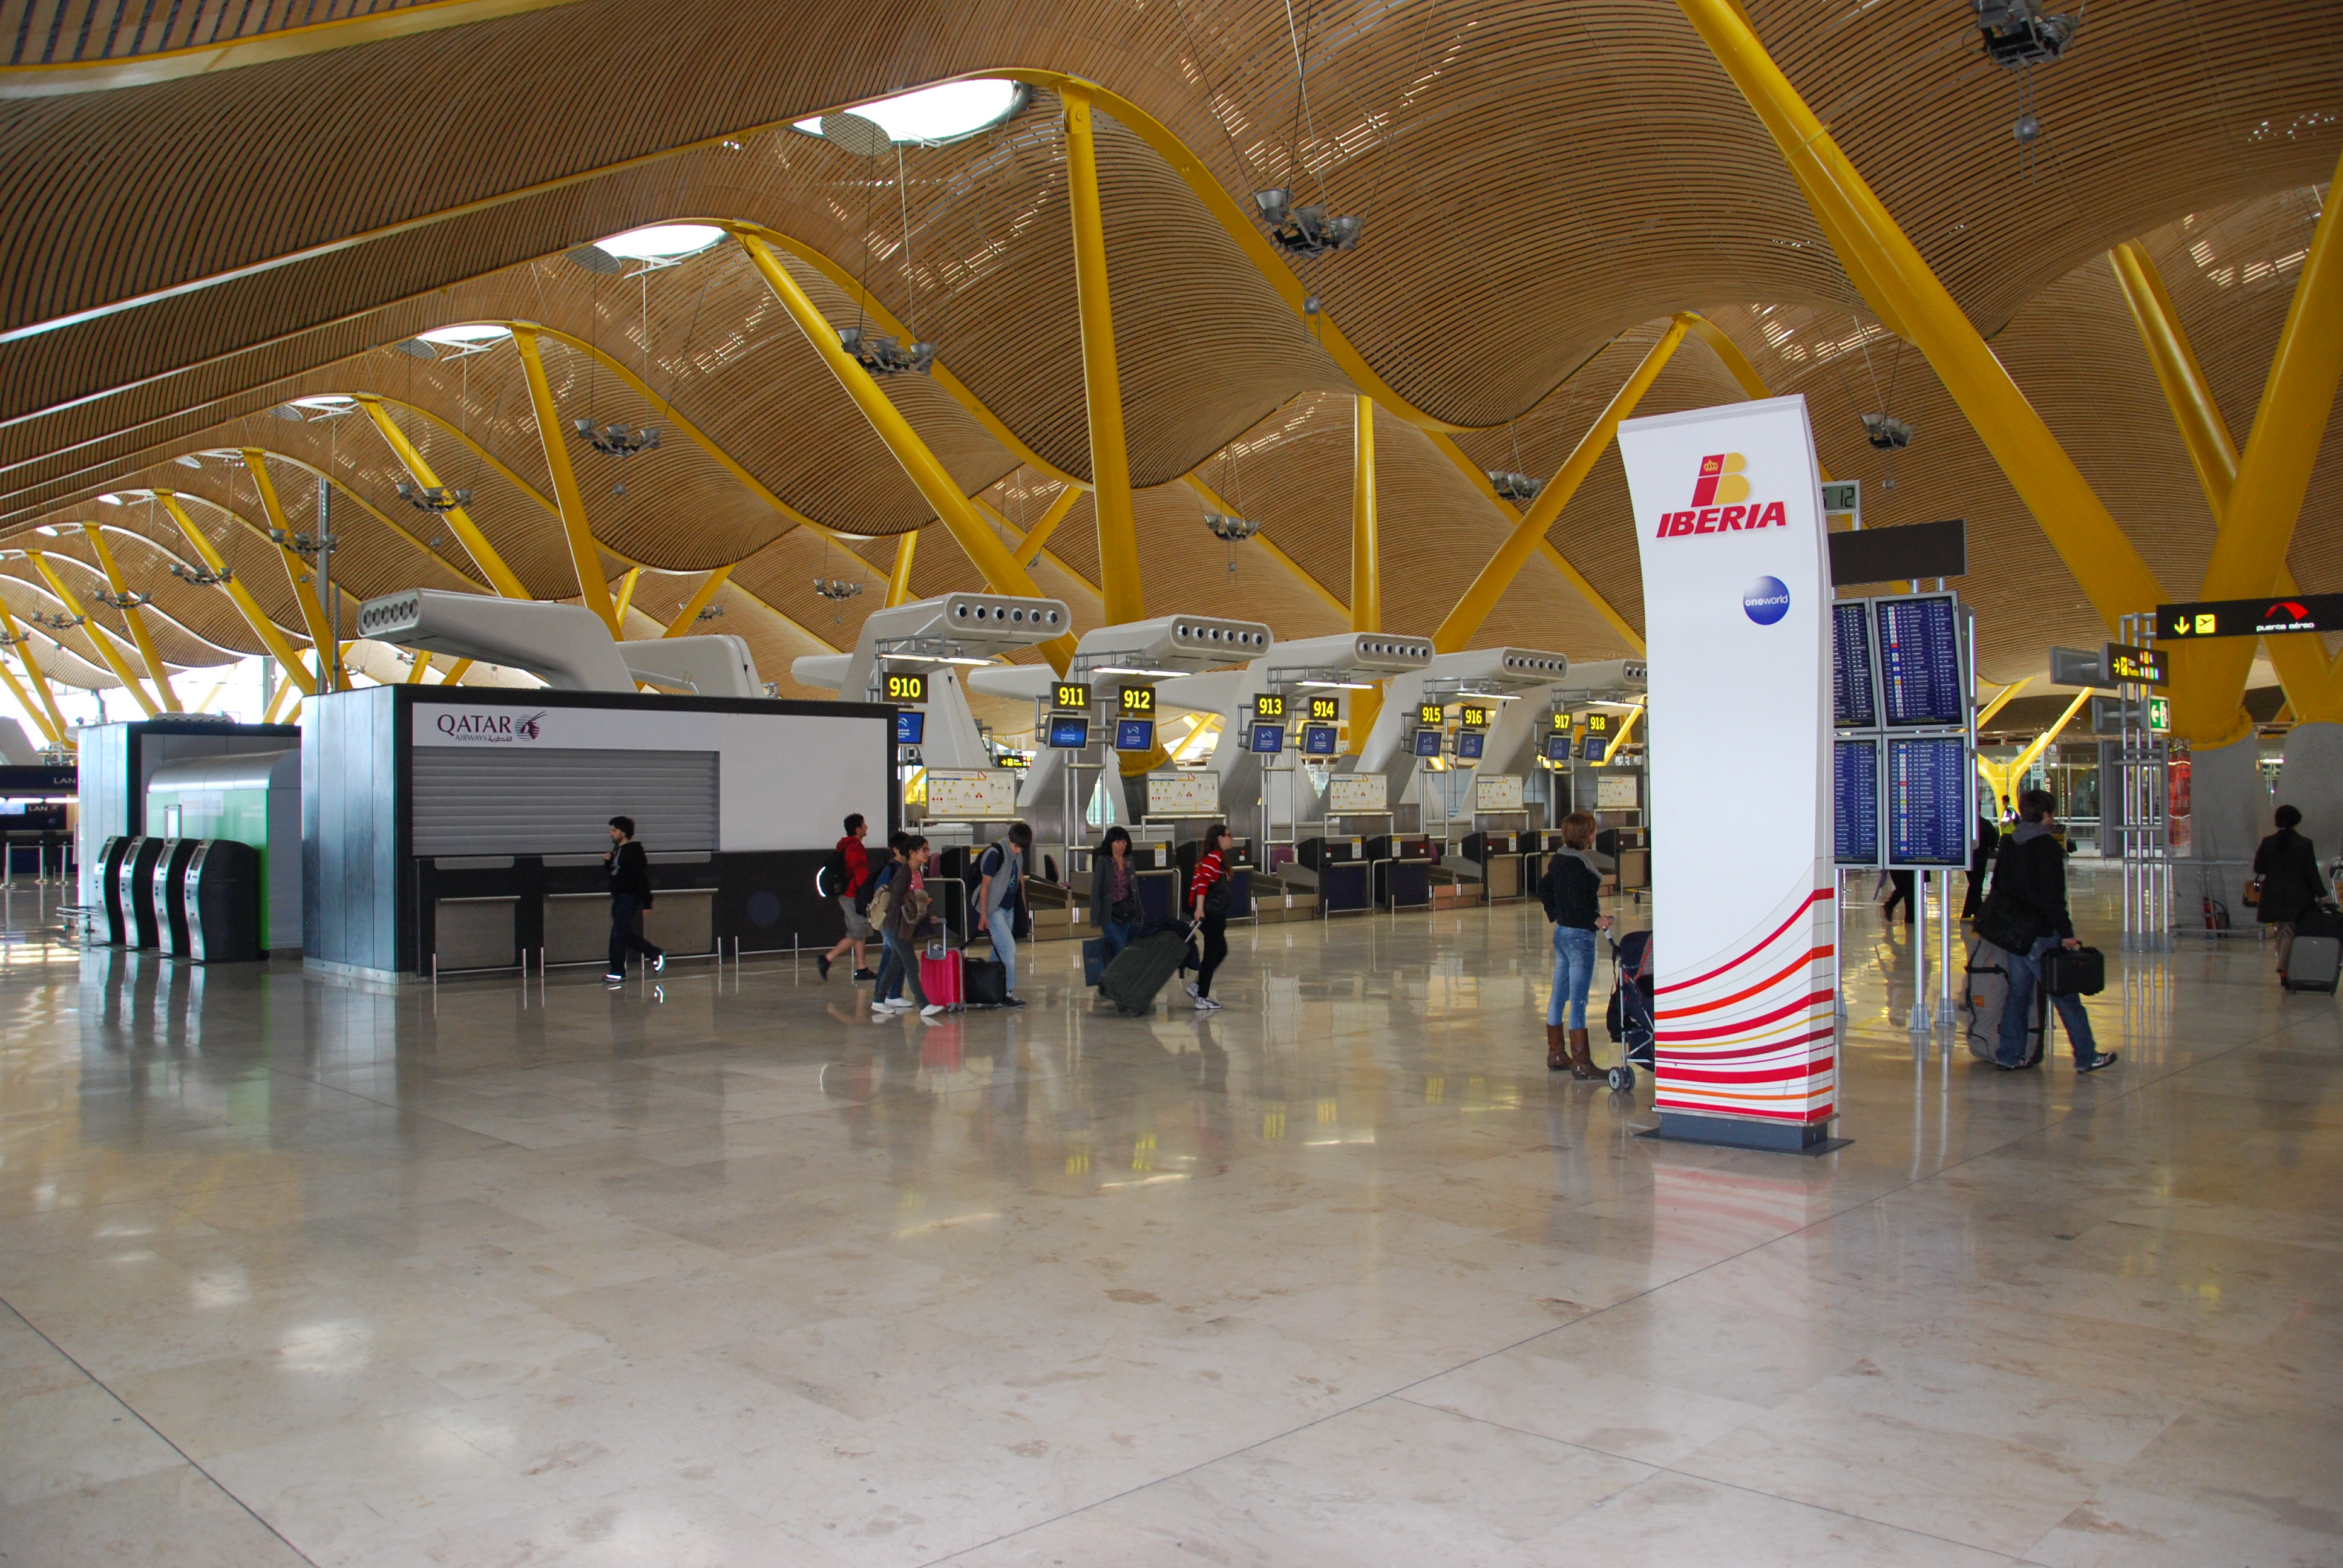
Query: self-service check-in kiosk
point(131, 910)
point(220, 901)
point(162, 895)
point(118, 764)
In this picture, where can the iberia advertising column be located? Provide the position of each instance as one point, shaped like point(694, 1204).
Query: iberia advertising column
point(1737, 620)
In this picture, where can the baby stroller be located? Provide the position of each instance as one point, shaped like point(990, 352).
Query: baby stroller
point(1628, 1018)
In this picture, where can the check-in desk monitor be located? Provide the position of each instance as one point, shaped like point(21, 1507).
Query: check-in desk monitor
point(1068, 733)
point(910, 728)
point(1319, 739)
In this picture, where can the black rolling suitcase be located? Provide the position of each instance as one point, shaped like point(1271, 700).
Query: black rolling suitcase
point(2074, 972)
point(2317, 954)
point(1139, 971)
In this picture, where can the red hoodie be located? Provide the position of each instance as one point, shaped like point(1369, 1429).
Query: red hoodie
point(858, 863)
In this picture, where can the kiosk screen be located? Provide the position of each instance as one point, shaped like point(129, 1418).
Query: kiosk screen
point(1591, 748)
point(1318, 739)
point(1557, 747)
point(1856, 793)
point(1134, 735)
point(1853, 700)
point(1268, 739)
point(1427, 743)
point(1927, 802)
point(1069, 734)
point(1469, 743)
point(1920, 662)
point(911, 726)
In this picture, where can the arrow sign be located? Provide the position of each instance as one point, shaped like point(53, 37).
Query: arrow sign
point(2251, 617)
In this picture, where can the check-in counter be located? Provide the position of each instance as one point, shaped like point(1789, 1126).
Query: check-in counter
point(1504, 862)
point(1345, 881)
point(499, 911)
point(1402, 869)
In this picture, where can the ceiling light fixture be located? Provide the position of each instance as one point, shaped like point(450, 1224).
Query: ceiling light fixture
point(1510, 486)
point(1886, 432)
point(931, 116)
point(57, 622)
point(1141, 670)
point(132, 600)
point(200, 576)
point(883, 356)
point(615, 440)
point(1304, 230)
point(836, 588)
point(433, 498)
point(1231, 530)
point(1339, 685)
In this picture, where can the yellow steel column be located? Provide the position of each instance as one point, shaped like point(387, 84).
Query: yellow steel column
point(936, 485)
point(899, 581)
point(25, 700)
point(310, 603)
point(627, 592)
point(98, 639)
point(688, 615)
point(421, 668)
point(2203, 431)
point(1366, 563)
point(583, 555)
point(134, 617)
point(1464, 621)
point(1118, 531)
point(271, 638)
point(1029, 548)
point(484, 554)
point(1902, 288)
point(61, 732)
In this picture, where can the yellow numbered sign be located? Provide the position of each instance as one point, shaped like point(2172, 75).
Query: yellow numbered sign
point(1071, 696)
point(1598, 724)
point(1474, 716)
point(1137, 699)
point(905, 685)
point(1564, 724)
point(1325, 709)
point(1269, 705)
point(1431, 715)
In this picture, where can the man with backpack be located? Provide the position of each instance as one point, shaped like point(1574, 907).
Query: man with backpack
point(1001, 901)
point(2025, 915)
point(847, 879)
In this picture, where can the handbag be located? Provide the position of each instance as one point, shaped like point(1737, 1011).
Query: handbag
point(2254, 891)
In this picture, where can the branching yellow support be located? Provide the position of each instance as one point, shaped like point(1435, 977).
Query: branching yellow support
point(1029, 548)
point(686, 618)
point(134, 617)
point(593, 590)
point(266, 629)
point(1366, 557)
point(1463, 622)
point(98, 639)
point(1118, 530)
point(1916, 307)
point(627, 592)
point(60, 732)
point(2001, 700)
point(459, 521)
point(935, 483)
point(310, 603)
point(899, 581)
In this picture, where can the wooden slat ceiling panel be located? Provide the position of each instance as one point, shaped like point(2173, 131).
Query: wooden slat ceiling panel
point(58, 32)
point(27, 596)
point(145, 543)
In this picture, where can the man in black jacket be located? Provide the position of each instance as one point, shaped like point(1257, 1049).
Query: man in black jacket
point(631, 895)
point(2027, 914)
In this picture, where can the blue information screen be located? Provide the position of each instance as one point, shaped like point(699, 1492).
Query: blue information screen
point(1855, 791)
point(1852, 702)
point(1469, 743)
point(1593, 747)
point(1318, 739)
point(1134, 735)
point(1268, 739)
point(1557, 747)
point(1427, 743)
point(1069, 734)
point(1920, 662)
point(1927, 802)
point(911, 723)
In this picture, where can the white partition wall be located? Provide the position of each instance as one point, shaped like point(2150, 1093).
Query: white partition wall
point(1736, 607)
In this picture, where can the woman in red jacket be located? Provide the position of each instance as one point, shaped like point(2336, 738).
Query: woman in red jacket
point(1208, 895)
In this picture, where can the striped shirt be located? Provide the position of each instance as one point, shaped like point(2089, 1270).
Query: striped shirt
point(1208, 871)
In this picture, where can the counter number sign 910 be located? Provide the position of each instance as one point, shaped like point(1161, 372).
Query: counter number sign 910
point(905, 685)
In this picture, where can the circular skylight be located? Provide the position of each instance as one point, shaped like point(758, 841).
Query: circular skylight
point(660, 242)
point(944, 113)
point(471, 336)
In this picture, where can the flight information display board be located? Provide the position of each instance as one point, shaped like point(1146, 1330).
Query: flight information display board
point(1853, 700)
point(1855, 803)
point(1927, 802)
point(1921, 681)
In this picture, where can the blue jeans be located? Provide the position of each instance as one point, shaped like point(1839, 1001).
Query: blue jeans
point(893, 964)
point(998, 925)
point(1574, 973)
point(1117, 935)
point(2025, 974)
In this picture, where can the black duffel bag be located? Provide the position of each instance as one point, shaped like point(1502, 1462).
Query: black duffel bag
point(2074, 972)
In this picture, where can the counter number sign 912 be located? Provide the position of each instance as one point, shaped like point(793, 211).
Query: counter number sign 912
point(905, 685)
point(1137, 699)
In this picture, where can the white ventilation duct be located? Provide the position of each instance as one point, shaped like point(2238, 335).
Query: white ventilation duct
point(567, 643)
point(716, 664)
point(1494, 673)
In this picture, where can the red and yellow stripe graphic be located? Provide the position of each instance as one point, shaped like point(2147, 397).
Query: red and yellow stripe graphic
point(1753, 1031)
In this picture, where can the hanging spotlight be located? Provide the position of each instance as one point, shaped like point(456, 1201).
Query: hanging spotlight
point(1886, 432)
point(615, 440)
point(57, 622)
point(1304, 230)
point(712, 612)
point(1232, 529)
point(1515, 486)
point(2017, 33)
point(202, 577)
point(433, 498)
point(882, 356)
point(122, 600)
point(835, 589)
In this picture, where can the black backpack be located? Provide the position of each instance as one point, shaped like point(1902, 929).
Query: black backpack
point(836, 875)
point(870, 884)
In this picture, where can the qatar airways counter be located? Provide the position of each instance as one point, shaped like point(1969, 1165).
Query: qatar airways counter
point(468, 826)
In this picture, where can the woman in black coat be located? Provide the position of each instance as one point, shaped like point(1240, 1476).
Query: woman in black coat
point(2287, 867)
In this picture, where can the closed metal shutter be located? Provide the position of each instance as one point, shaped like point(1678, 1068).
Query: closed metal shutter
point(498, 801)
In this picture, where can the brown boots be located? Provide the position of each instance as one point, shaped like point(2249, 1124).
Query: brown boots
point(1568, 1048)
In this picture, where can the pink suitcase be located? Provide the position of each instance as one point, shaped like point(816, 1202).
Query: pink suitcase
point(939, 977)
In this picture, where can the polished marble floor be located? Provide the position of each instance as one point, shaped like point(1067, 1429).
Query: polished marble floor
point(720, 1271)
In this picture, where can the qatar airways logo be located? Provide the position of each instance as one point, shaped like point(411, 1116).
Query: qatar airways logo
point(1721, 503)
point(489, 728)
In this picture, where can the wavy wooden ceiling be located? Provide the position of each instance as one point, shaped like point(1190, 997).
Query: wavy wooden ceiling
point(1542, 185)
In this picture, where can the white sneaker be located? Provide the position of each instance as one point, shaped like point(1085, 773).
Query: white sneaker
point(1192, 988)
point(1206, 1004)
point(898, 1004)
point(931, 1009)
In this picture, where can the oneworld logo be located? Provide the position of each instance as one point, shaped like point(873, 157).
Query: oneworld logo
point(490, 728)
point(1766, 600)
point(1721, 503)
